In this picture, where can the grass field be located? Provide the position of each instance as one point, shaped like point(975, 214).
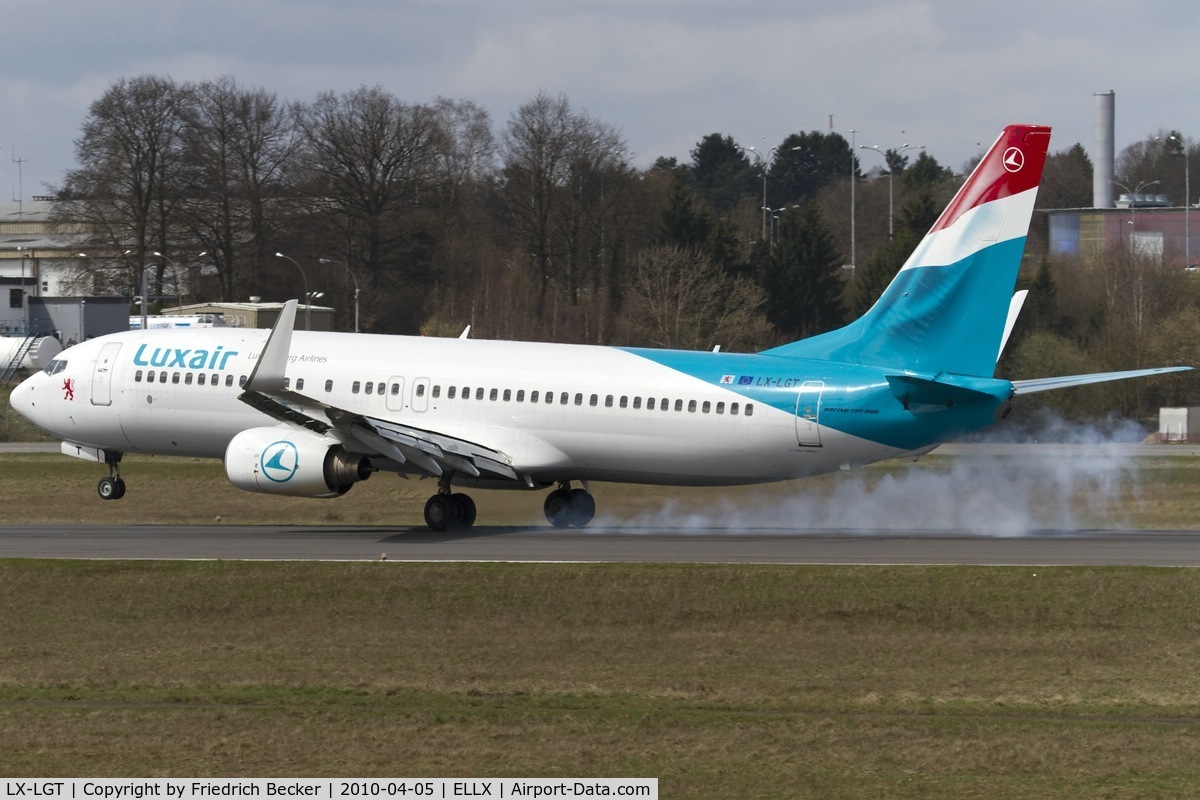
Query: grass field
point(722, 681)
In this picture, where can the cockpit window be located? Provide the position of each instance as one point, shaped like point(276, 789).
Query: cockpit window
point(56, 366)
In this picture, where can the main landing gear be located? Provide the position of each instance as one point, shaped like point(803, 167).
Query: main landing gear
point(569, 508)
point(565, 507)
point(112, 487)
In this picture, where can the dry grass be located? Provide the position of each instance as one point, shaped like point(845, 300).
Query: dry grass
point(724, 681)
point(1161, 493)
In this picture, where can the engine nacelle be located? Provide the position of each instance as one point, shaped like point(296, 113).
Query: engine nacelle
point(293, 462)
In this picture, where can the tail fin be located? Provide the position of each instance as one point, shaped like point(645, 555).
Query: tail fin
point(947, 308)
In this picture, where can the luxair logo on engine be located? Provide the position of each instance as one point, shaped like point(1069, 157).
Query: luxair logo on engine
point(279, 461)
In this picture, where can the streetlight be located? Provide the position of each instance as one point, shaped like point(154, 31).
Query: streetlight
point(1187, 204)
point(305, 277)
point(762, 163)
point(890, 171)
point(352, 275)
point(175, 273)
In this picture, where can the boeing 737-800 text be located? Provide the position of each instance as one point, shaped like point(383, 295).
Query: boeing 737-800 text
point(309, 414)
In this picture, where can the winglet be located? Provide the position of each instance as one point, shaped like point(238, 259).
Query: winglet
point(268, 374)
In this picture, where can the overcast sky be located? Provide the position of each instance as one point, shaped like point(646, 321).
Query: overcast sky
point(942, 73)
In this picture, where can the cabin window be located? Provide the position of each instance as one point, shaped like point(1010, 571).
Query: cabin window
point(624, 401)
point(215, 380)
point(649, 403)
point(594, 400)
point(299, 384)
point(355, 387)
point(137, 376)
point(201, 378)
point(229, 380)
point(749, 409)
point(578, 398)
point(437, 391)
point(450, 392)
point(733, 408)
point(550, 397)
point(563, 399)
point(241, 380)
point(507, 395)
point(187, 379)
point(174, 377)
point(637, 402)
point(287, 383)
point(420, 390)
point(329, 385)
point(368, 388)
point(720, 408)
point(679, 405)
point(379, 387)
point(608, 401)
point(493, 394)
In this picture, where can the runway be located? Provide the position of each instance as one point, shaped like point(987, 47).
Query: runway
point(531, 544)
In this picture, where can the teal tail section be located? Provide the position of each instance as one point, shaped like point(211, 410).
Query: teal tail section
point(946, 310)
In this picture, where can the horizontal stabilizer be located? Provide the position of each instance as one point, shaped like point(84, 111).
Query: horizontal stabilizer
point(1065, 381)
point(912, 390)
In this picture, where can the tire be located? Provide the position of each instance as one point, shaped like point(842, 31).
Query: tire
point(558, 508)
point(439, 512)
point(583, 507)
point(107, 489)
point(464, 510)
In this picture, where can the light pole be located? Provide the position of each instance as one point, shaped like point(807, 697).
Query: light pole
point(891, 172)
point(350, 272)
point(175, 272)
point(305, 277)
point(853, 209)
point(762, 164)
point(1187, 203)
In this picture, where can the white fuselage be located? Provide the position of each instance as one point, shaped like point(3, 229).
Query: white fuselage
point(560, 412)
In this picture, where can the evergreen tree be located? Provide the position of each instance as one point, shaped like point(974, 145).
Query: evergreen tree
point(802, 280)
point(874, 276)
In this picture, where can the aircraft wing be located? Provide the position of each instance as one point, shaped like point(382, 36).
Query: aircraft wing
point(1062, 382)
point(429, 451)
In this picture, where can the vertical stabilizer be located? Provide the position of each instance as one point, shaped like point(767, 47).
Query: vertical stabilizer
point(945, 312)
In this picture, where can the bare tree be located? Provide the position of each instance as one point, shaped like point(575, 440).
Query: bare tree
point(239, 143)
point(130, 173)
point(564, 173)
point(678, 298)
point(369, 163)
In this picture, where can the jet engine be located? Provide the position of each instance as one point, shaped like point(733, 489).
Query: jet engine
point(293, 462)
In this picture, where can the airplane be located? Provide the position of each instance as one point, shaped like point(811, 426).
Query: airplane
point(310, 414)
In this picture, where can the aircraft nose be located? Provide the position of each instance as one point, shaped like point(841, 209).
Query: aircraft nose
point(22, 398)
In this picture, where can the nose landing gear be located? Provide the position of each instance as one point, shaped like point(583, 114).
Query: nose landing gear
point(112, 487)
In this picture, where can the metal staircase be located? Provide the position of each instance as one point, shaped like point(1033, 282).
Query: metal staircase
point(10, 369)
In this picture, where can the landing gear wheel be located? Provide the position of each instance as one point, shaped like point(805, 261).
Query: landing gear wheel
point(439, 512)
point(558, 508)
point(111, 488)
point(583, 507)
point(464, 508)
point(106, 488)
